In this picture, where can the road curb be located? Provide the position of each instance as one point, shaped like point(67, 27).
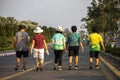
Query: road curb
point(114, 70)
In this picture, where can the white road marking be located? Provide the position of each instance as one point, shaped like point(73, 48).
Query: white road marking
point(20, 73)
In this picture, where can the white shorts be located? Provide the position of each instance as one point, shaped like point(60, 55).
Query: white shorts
point(38, 53)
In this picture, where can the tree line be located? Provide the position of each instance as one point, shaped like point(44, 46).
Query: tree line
point(9, 26)
point(104, 15)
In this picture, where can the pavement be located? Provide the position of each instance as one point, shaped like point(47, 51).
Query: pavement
point(7, 65)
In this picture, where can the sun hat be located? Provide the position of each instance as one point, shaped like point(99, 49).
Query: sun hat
point(38, 30)
point(59, 28)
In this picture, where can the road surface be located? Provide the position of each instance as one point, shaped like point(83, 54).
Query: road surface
point(7, 65)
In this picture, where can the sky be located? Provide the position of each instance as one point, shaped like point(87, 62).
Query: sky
point(46, 12)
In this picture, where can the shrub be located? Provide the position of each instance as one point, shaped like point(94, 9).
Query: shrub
point(115, 51)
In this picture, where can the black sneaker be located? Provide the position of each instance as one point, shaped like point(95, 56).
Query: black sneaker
point(16, 67)
point(37, 69)
point(70, 68)
point(76, 68)
point(41, 69)
point(24, 68)
point(54, 68)
point(97, 66)
point(90, 66)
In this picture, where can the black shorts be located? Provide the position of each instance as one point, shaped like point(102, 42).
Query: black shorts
point(73, 50)
point(20, 54)
point(94, 54)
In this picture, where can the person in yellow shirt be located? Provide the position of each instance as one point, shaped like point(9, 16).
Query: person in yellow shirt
point(96, 42)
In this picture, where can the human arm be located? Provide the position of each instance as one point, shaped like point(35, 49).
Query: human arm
point(28, 43)
point(32, 46)
point(15, 42)
point(87, 43)
point(46, 48)
point(102, 45)
point(82, 47)
point(65, 46)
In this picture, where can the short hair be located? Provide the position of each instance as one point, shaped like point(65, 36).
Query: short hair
point(74, 28)
point(21, 27)
point(95, 29)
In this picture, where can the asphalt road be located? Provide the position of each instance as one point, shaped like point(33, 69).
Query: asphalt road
point(7, 65)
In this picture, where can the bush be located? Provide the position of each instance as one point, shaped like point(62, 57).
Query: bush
point(6, 43)
point(114, 51)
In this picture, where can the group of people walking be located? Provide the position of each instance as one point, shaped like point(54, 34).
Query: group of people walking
point(60, 44)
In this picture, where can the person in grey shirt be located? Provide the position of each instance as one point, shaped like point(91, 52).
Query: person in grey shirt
point(22, 46)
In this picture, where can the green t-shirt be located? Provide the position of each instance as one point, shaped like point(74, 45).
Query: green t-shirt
point(59, 41)
point(74, 39)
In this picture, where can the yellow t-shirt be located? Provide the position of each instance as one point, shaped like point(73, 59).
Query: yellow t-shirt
point(95, 39)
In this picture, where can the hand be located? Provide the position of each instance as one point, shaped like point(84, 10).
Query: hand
point(82, 50)
point(31, 50)
point(103, 49)
point(47, 52)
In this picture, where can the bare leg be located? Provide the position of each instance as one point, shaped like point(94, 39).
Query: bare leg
point(70, 59)
point(41, 63)
point(24, 61)
point(97, 61)
point(37, 62)
point(76, 60)
point(70, 62)
point(91, 61)
point(18, 61)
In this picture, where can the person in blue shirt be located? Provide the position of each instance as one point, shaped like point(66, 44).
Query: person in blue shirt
point(73, 42)
point(59, 45)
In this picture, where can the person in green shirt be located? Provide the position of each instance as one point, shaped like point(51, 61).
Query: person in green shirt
point(59, 45)
point(73, 42)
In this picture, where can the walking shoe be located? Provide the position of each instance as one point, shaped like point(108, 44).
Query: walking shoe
point(59, 68)
point(54, 68)
point(40, 67)
point(24, 68)
point(17, 66)
point(37, 69)
point(16, 69)
point(97, 66)
point(76, 67)
point(90, 66)
point(70, 68)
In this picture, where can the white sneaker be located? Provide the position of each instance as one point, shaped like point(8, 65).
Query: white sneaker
point(59, 68)
point(76, 67)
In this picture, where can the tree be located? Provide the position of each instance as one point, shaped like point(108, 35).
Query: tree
point(103, 14)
